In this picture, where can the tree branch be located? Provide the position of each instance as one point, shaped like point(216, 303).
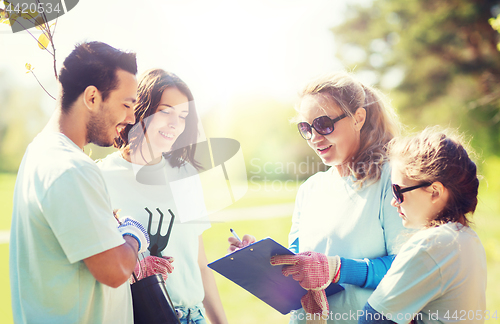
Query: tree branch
point(42, 85)
point(35, 38)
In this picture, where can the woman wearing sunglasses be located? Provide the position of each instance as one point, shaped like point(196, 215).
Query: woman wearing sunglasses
point(343, 226)
point(439, 275)
point(153, 172)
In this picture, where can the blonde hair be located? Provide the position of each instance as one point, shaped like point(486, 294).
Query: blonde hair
point(439, 155)
point(380, 126)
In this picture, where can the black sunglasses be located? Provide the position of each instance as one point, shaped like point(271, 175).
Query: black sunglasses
point(323, 125)
point(397, 192)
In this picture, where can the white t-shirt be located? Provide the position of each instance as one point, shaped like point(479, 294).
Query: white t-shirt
point(334, 218)
point(440, 273)
point(62, 215)
point(133, 187)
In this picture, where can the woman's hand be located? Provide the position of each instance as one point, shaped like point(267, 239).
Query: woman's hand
point(314, 271)
point(235, 244)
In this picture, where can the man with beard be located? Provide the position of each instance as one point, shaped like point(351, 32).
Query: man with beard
point(68, 261)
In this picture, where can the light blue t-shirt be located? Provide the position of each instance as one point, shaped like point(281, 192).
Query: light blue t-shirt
point(133, 187)
point(333, 217)
point(439, 276)
point(62, 215)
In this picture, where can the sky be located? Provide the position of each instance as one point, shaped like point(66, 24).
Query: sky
point(220, 48)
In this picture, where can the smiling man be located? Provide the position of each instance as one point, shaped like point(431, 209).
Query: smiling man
point(68, 261)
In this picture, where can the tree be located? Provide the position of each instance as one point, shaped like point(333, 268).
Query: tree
point(34, 16)
point(21, 119)
point(439, 57)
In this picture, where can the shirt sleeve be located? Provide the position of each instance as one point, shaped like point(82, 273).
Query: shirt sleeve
point(294, 246)
point(78, 210)
point(366, 273)
point(412, 282)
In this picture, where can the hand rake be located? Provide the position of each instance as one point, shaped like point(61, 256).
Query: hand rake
point(158, 242)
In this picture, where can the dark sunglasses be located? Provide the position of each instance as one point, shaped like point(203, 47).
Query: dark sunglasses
point(397, 192)
point(323, 125)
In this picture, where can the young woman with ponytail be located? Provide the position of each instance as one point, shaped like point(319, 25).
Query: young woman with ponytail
point(344, 228)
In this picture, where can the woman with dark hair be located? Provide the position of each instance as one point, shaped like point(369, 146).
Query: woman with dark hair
point(157, 91)
point(153, 172)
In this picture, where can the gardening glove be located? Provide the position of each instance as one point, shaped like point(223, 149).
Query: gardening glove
point(315, 302)
point(151, 265)
point(129, 226)
point(314, 271)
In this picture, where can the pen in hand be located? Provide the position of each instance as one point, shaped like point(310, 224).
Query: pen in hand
point(235, 243)
point(235, 235)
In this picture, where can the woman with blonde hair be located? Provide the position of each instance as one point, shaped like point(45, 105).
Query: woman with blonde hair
point(343, 226)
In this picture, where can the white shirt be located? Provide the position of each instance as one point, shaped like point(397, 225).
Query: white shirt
point(132, 188)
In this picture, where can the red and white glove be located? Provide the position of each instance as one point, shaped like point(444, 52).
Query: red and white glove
point(314, 271)
point(151, 265)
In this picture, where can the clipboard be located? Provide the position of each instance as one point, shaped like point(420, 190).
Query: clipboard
point(251, 269)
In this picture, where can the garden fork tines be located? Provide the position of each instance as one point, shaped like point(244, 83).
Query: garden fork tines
point(158, 242)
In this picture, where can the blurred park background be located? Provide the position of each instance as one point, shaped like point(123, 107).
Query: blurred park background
point(437, 60)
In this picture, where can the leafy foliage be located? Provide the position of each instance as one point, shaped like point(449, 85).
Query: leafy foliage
point(439, 57)
point(495, 24)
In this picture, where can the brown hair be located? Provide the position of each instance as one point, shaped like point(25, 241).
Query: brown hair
point(380, 126)
point(435, 155)
point(149, 93)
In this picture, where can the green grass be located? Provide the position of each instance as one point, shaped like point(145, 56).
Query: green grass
point(487, 226)
point(240, 306)
point(7, 181)
point(6, 191)
point(5, 308)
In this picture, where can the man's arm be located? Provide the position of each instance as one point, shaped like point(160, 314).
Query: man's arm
point(114, 266)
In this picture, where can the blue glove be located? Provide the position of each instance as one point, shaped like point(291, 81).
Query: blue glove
point(131, 227)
